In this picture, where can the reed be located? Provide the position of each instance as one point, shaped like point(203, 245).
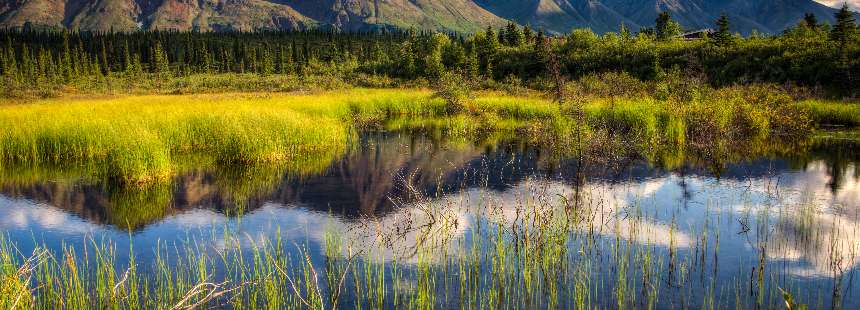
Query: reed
point(143, 139)
point(832, 113)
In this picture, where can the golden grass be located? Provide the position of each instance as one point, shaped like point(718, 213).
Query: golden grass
point(138, 139)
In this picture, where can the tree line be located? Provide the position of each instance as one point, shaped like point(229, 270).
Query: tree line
point(810, 53)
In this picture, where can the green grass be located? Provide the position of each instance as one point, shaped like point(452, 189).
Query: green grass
point(141, 139)
point(824, 112)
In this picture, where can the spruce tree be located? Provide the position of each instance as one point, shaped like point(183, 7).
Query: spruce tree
point(205, 61)
point(471, 63)
point(433, 66)
point(104, 59)
point(285, 61)
point(624, 32)
point(407, 59)
point(665, 27)
point(809, 20)
point(540, 41)
point(267, 63)
point(514, 35)
point(723, 35)
point(843, 33)
point(528, 34)
point(66, 60)
point(453, 56)
point(160, 63)
point(491, 37)
point(845, 29)
point(487, 48)
point(126, 60)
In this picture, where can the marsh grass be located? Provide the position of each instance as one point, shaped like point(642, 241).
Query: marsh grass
point(833, 113)
point(139, 139)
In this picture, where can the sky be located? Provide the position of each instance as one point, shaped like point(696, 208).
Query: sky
point(854, 4)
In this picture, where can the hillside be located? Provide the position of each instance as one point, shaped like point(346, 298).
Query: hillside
point(558, 16)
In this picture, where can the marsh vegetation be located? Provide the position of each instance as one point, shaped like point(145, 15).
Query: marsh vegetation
point(331, 170)
point(506, 224)
point(538, 220)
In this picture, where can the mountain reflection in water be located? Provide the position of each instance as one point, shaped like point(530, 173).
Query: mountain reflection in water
point(809, 201)
point(385, 169)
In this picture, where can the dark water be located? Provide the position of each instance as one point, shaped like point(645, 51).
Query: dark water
point(798, 210)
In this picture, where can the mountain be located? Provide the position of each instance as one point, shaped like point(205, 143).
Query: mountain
point(558, 16)
point(768, 16)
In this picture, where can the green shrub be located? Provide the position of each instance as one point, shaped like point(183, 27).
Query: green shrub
point(456, 90)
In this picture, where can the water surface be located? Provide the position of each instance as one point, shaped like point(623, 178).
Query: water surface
point(796, 213)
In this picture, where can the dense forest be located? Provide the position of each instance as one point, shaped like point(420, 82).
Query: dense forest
point(43, 63)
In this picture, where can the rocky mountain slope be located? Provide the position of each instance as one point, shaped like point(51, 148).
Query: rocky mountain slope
point(558, 16)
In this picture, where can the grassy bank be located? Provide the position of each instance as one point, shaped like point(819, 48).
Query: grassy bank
point(832, 113)
point(140, 139)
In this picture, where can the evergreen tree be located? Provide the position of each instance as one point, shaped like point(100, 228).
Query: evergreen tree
point(205, 61)
point(433, 66)
point(487, 47)
point(267, 63)
point(843, 33)
point(624, 33)
point(472, 64)
point(407, 59)
point(160, 63)
point(514, 35)
point(491, 37)
point(845, 29)
point(104, 59)
point(809, 20)
point(126, 59)
point(528, 34)
point(285, 61)
point(540, 41)
point(10, 67)
point(66, 60)
point(723, 36)
point(295, 52)
point(453, 55)
point(665, 27)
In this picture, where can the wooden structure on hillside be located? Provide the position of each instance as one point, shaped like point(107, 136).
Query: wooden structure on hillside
point(696, 35)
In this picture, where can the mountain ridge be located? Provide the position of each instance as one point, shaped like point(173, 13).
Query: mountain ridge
point(555, 16)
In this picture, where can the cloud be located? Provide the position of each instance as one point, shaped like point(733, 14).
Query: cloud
point(853, 4)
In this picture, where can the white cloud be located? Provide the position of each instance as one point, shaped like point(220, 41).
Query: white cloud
point(853, 4)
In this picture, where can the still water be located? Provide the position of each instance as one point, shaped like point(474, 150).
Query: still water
point(795, 213)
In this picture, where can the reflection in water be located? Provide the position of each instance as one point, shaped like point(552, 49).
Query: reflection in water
point(396, 193)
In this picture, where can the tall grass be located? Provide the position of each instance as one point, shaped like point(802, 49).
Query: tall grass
point(833, 113)
point(138, 139)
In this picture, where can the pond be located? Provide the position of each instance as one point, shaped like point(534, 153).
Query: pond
point(631, 231)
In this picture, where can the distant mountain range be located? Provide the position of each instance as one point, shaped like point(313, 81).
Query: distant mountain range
point(558, 16)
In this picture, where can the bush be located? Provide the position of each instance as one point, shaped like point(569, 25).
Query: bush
point(607, 85)
point(456, 90)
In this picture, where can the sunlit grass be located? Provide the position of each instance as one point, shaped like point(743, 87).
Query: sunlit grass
point(138, 139)
point(833, 112)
